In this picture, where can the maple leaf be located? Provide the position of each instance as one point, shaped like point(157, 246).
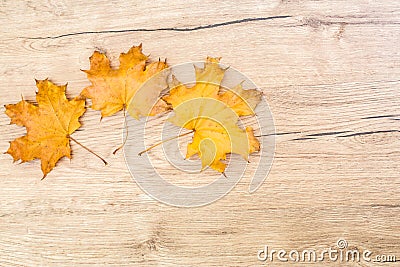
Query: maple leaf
point(48, 124)
point(213, 115)
point(112, 90)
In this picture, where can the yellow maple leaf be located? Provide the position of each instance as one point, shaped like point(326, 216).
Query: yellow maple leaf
point(48, 125)
point(213, 115)
point(112, 90)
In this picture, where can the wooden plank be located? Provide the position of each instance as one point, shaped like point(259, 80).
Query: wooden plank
point(330, 72)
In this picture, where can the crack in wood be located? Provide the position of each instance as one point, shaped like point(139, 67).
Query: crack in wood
point(381, 116)
point(303, 138)
point(370, 132)
point(177, 29)
point(328, 133)
point(313, 136)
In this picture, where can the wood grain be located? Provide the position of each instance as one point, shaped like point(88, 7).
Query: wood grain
point(330, 72)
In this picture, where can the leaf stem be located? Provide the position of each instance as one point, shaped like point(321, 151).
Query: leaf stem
point(126, 136)
point(163, 141)
point(88, 149)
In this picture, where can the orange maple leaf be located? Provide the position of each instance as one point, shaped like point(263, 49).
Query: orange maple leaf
point(48, 124)
point(112, 90)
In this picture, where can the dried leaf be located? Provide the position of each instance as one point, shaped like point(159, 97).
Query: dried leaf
point(48, 125)
point(213, 116)
point(112, 90)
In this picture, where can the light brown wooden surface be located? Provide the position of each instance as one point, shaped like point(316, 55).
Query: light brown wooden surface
point(331, 74)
